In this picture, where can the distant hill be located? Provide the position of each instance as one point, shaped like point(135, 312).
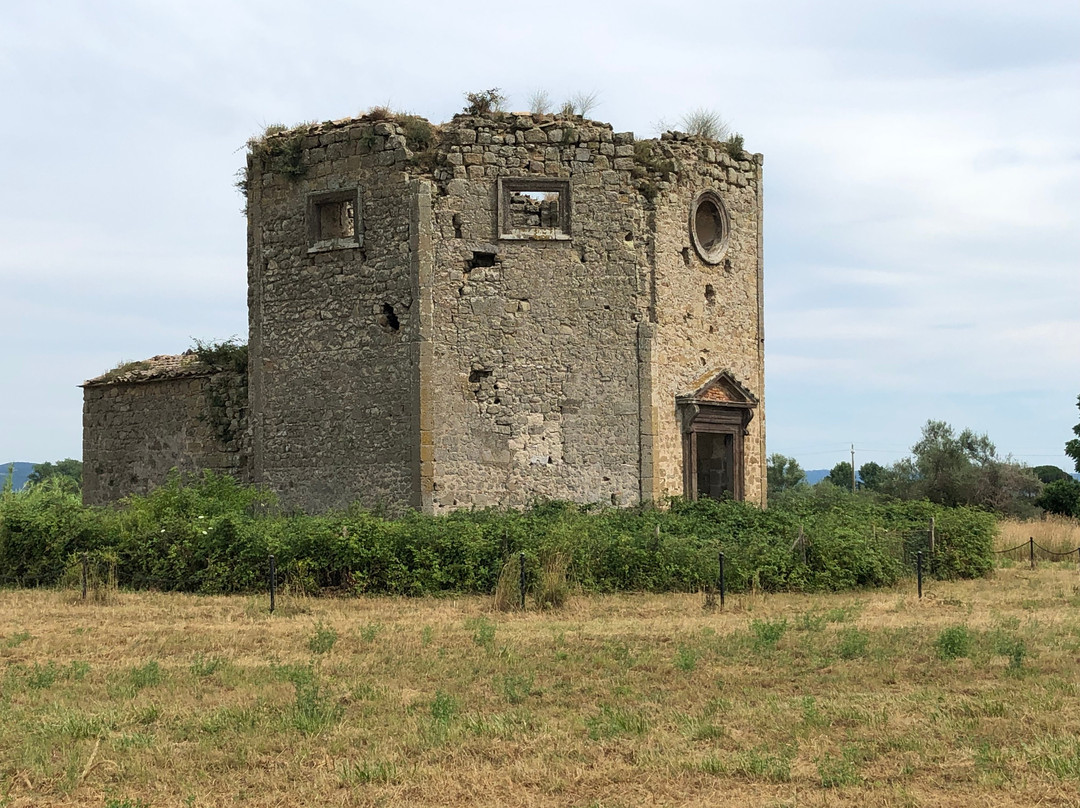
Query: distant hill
point(22, 472)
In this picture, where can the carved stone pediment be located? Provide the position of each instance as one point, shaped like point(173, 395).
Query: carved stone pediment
point(718, 389)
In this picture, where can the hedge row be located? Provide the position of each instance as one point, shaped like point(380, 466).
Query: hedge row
point(213, 535)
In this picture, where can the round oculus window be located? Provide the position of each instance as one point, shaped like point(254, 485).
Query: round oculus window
point(709, 227)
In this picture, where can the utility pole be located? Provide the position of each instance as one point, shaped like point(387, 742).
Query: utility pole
point(853, 468)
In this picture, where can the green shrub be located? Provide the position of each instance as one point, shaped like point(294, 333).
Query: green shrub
point(210, 534)
point(953, 642)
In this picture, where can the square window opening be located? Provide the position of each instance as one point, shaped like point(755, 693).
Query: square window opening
point(334, 221)
point(534, 209)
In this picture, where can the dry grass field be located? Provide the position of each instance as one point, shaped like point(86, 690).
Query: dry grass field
point(968, 697)
point(1059, 534)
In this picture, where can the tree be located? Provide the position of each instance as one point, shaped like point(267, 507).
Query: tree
point(873, 475)
point(67, 469)
point(1072, 448)
point(783, 473)
point(1061, 496)
point(1050, 474)
point(840, 475)
point(964, 469)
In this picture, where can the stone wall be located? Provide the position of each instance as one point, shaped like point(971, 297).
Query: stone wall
point(534, 382)
point(135, 432)
point(708, 316)
point(504, 314)
point(333, 325)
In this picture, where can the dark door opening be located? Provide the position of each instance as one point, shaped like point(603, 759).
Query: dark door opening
point(715, 465)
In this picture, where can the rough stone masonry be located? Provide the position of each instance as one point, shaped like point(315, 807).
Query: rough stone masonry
point(502, 308)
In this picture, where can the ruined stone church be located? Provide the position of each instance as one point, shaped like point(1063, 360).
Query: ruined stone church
point(500, 309)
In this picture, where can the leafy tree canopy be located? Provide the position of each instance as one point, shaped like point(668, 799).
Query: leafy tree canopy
point(1061, 496)
point(872, 475)
point(1072, 448)
point(783, 473)
point(840, 475)
point(67, 469)
point(1049, 474)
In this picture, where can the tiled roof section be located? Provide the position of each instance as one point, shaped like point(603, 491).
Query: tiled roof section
point(154, 369)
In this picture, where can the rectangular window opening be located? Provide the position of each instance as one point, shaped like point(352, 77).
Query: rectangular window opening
point(534, 208)
point(333, 221)
point(336, 219)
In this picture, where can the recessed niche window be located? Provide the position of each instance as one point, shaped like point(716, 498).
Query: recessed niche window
point(709, 227)
point(534, 209)
point(334, 221)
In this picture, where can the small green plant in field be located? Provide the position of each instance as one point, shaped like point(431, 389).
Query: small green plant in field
point(357, 773)
point(443, 708)
point(1014, 648)
point(838, 771)
point(203, 666)
point(42, 677)
point(427, 634)
point(369, 632)
point(124, 802)
point(767, 633)
point(17, 639)
point(853, 643)
point(614, 722)
point(147, 675)
point(297, 674)
point(483, 631)
point(314, 709)
point(810, 621)
point(517, 687)
point(811, 713)
point(322, 640)
point(78, 670)
point(760, 764)
point(953, 642)
point(686, 658)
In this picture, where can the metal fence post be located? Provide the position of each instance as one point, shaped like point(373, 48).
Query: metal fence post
point(1031, 551)
point(721, 581)
point(918, 571)
point(273, 583)
point(521, 576)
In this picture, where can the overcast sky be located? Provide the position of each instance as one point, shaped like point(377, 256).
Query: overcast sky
point(922, 183)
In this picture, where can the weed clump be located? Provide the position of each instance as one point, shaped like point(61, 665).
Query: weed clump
point(767, 633)
point(322, 640)
point(953, 642)
point(486, 102)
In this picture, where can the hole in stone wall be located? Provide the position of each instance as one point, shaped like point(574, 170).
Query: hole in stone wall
point(457, 225)
point(686, 255)
point(710, 294)
point(477, 376)
point(581, 255)
point(534, 209)
point(335, 219)
point(629, 236)
point(481, 259)
point(389, 319)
